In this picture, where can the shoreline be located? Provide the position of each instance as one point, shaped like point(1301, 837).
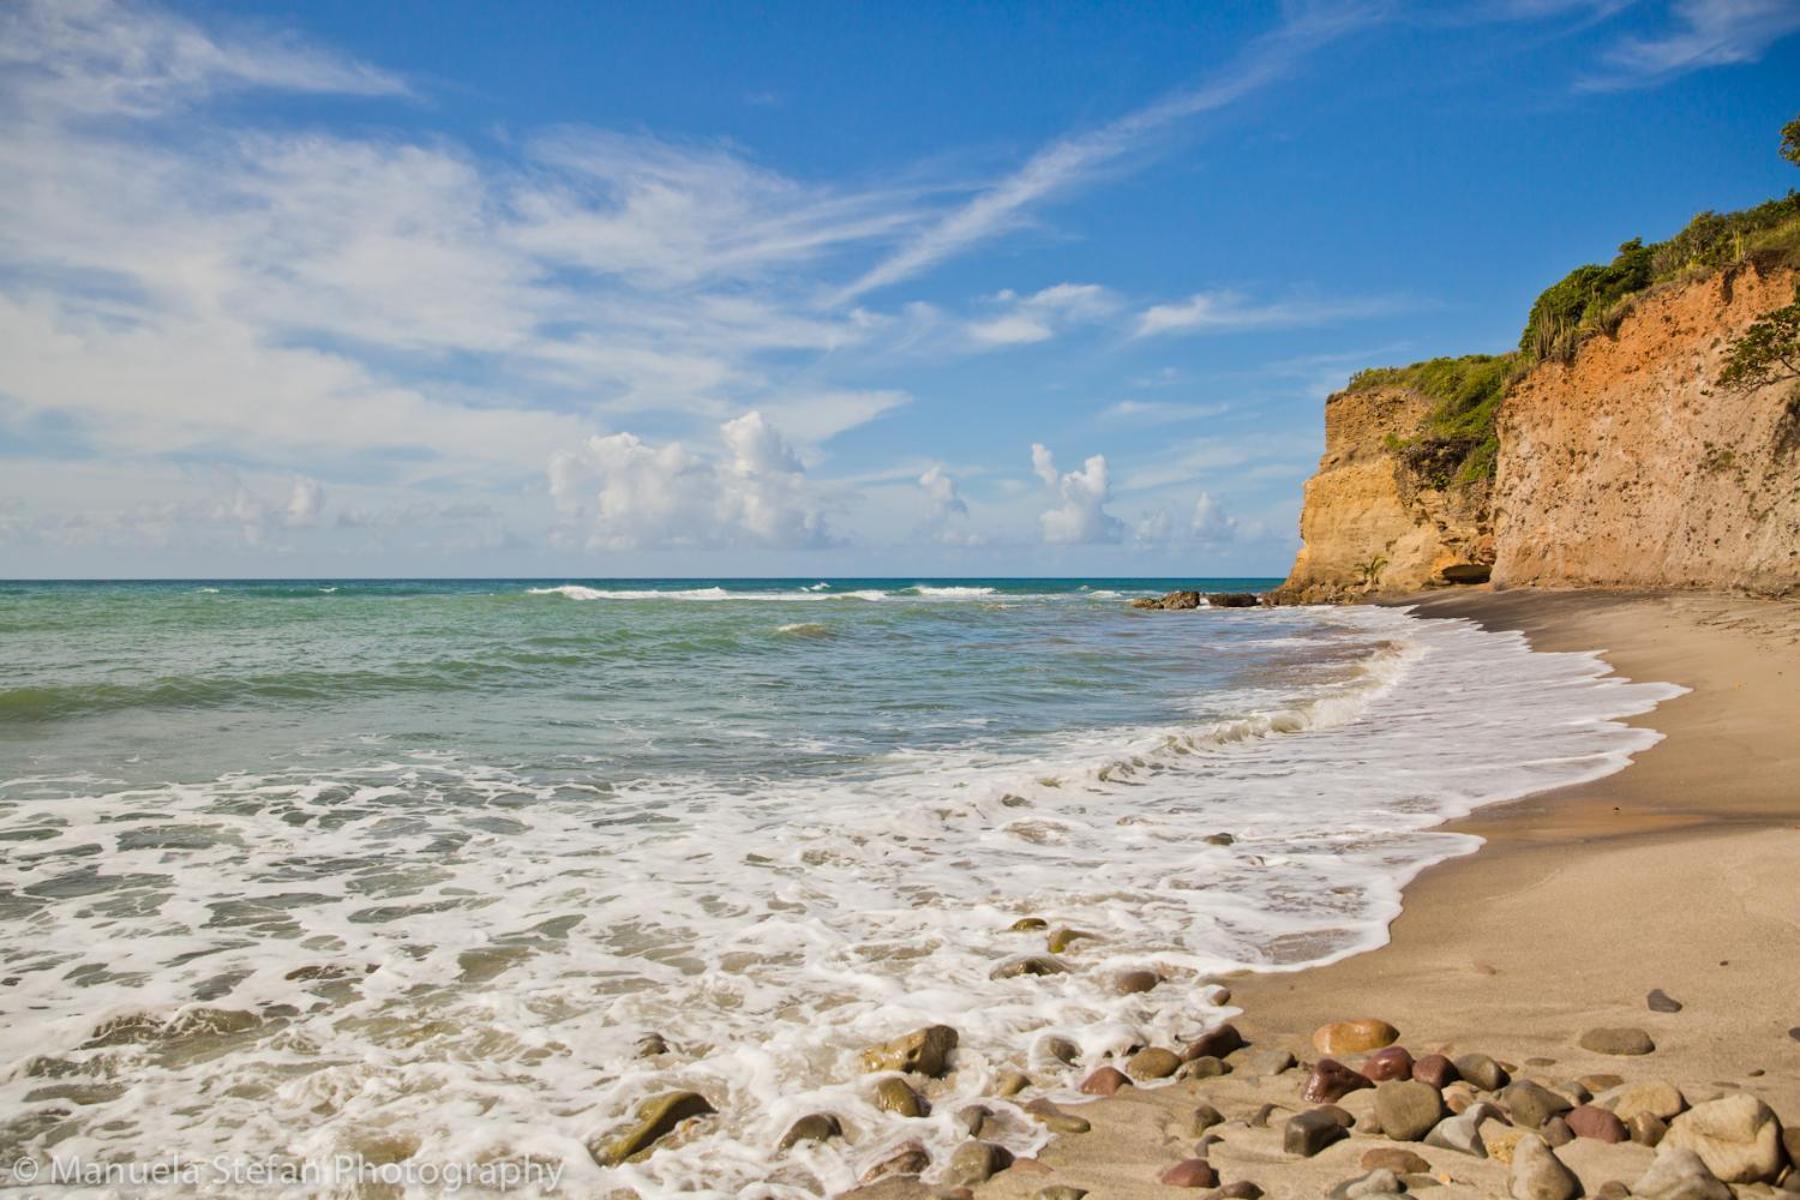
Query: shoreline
point(1674, 873)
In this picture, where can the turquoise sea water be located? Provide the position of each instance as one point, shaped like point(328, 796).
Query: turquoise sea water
point(410, 868)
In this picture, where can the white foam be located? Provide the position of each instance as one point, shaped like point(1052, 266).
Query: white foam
point(951, 592)
point(766, 934)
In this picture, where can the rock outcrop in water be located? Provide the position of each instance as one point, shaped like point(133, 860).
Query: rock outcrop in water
point(1614, 458)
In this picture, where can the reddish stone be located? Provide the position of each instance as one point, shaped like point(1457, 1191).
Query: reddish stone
point(1190, 1173)
point(1331, 1081)
point(1590, 1122)
point(1105, 1082)
point(1436, 1070)
point(1392, 1062)
point(1216, 1044)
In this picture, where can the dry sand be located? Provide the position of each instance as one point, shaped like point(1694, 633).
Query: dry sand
point(1681, 872)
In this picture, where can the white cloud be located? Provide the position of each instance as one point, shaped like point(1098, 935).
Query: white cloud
point(1041, 315)
point(1080, 517)
point(623, 493)
point(1158, 412)
point(1210, 523)
point(1231, 312)
point(1706, 33)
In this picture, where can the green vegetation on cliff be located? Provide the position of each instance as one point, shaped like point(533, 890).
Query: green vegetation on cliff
point(1457, 443)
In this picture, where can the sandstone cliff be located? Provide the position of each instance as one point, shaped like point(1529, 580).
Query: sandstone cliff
point(1374, 518)
point(1630, 466)
point(1625, 465)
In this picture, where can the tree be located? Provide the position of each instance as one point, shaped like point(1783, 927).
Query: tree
point(1769, 351)
point(1790, 141)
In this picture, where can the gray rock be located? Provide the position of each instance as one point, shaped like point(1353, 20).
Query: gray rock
point(1678, 1174)
point(1531, 1105)
point(1310, 1132)
point(1660, 1001)
point(1462, 1133)
point(1537, 1174)
point(1482, 1071)
point(1268, 1062)
point(1556, 1132)
point(1407, 1109)
point(1205, 1117)
point(1379, 1182)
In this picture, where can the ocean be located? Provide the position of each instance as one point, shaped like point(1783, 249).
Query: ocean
point(414, 870)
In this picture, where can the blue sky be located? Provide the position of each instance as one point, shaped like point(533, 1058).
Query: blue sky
point(790, 289)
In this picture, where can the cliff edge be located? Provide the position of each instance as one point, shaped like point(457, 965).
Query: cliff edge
point(1608, 451)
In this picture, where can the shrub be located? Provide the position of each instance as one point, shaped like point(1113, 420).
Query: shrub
point(1457, 442)
point(1768, 352)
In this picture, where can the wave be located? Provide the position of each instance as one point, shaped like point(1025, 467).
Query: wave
point(950, 592)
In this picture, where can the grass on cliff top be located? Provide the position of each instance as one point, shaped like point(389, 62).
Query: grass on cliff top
point(1595, 298)
point(1458, 444)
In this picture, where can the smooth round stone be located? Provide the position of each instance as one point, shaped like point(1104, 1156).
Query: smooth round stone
point(1354, 1037)
point(1393, 1158)
point(1205, 1067)
point(976, 1162)
point(1153, 1063)
point(1407, 1109)
point(1105, 1082)
point(1205, 1117)
point(1055, 1119)
point(1436, 1070)
point(897, 1096)
point(1331, 1081)
point(1060, 1191)
point(1131, 983)
point(1660, 1001)
point(1390, 1062)
point(1586, 1121)
point(922, 1052)
point(813, 1127)
point(1482, 1071)
point(1622, 1041)
point(1216, 1043)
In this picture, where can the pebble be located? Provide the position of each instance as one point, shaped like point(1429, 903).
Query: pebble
point(1310, 1132)
point(1354, 1037)
point(1205, 1117)
point(1379, 1182)
point(1598, 1083)
point(1029, 924)
point(1055, 1119)
point(976, 1162)
point(1011, 1082)
point(651, 1045)
point(1458, 1096)
point(1215, 1043)
point(1647, 1129)
point(1030, 964)
point(1660, 1001)
point(897, 1096)
point(1219, 839)
point(1482, 1071)
point(1391, 1062)
point(1530, 1105)
point(922, 1052)
point(1556, 1132)
point(1617, 1040)
point(1587, 1121)
point(1063, 938)
point(1259, 1119)
point(973, 1117)
point(1331, 1081)
point(1154, 1063)
point(1132, 983)
point(813, 1127)
point(1407, 1109)
point(1678, 1174)
point(1392, 1158)
point(1269, 1062)
point(1537, 1174)
point(1059, 1048)
point(1653, 1096)
point(1060, 1191)
point(1612, 1189)
point(1462, 1132)
point(656, 1118)
point(1105, 1082)
point(1737, 1137)
point(1190, 1173)
point(1243, 1189)
point(1205, 1067)
point(908, 1158)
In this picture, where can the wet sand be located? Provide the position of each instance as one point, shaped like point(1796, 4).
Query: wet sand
point(1681, 872)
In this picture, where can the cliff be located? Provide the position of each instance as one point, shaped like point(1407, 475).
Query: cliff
point(1604, 452)
point(1631, 466)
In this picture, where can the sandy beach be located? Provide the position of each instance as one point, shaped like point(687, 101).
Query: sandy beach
point(1676, 873)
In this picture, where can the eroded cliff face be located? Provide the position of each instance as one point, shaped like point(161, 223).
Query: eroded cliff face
point(1630, 466)
point(1372, 520)
point(1626, 467)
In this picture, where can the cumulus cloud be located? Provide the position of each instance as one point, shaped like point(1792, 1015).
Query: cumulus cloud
point(228, 510)
point(1232, 312)
point(621, 492)
point(1706, 33)
point(1208, 524)
point(1080, 516)
point(1040, 315)
point(945, 510)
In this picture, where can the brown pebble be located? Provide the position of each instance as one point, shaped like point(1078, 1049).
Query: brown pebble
point(1243, 1189)
point(1055, 1119)
point(1205, 1117)
point(1612, 1189)
point(1105, 1082)
point(1260, 1118)
point(1215, 1044)
point(1153, 1063)
point(1589, 1122)
point(1131, 983)
point(1331, 1081)
point(1354, 1037)
point(1436, 1070)
point(909, 1158)
point(1647, 1129)
point(1392, 1158)
point(1205, 1067)
point(1556, 1132)
point(1190, 1173)
point(1392, 1062)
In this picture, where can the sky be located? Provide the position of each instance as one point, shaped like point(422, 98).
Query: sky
point(790, 289)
